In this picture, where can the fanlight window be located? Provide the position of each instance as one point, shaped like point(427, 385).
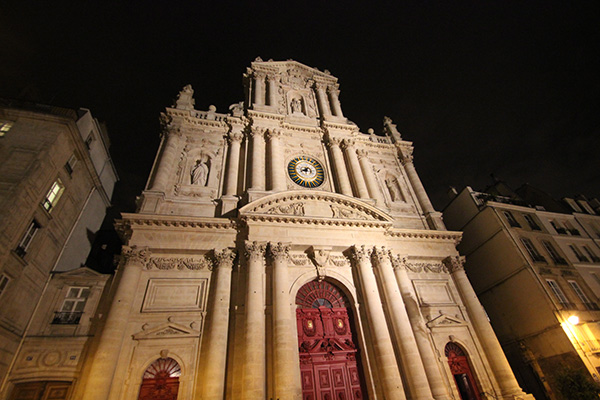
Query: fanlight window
point(163, 368)
point(320, 294)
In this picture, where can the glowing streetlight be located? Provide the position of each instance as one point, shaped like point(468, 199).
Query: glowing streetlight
point(573, 319)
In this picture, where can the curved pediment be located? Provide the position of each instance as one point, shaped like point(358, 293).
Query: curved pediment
point(314, 205)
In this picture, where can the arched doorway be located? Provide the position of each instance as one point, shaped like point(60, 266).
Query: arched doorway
point(161, 380)
point(461, 370)
point(329, 364)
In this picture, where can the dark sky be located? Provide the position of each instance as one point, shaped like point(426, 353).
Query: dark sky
point(480, 87)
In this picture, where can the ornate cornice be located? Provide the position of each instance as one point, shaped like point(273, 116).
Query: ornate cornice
point(314, 221)
point(137, 220)
point(179, 263)
point(428, 235)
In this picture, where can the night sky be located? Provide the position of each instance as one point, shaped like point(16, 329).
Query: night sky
point(480, 87)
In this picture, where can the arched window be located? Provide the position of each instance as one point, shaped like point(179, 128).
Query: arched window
point(161, 380)
point(461, 370)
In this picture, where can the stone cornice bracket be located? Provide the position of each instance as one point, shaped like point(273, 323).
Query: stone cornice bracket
point(360, 254)
point(135, 255)
point(255, 250)
point(398, 261)
point(224, 258)
point(279, 251)
point(454, 263)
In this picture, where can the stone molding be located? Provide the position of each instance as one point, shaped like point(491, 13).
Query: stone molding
point(454, 263)
point(167, 263)
point(401, 262)
point(414, 234)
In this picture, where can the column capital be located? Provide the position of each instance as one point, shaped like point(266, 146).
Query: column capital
point(333, 90)
point(273, 134)
point(279, 251)
point(361, 254)
point(255, 250)
point(271, 77)
point(257, 132)
point(260, 75)
point(362, 153)
point(381, 254)
point(405, 153)
point(320, 86)
point(398, 261)
point(224, 258)
point(333, 141)
point(454, 263)
point(235, 137)
point(348, 143)
point(135, 255)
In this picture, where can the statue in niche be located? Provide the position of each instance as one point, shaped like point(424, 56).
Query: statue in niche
point(296, 106)
point(199, 173)
point(392, 185)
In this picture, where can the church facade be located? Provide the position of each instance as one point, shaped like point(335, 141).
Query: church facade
point(280, 253)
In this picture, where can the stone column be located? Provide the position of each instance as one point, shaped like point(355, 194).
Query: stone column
point(433, 217)
point(216, 351)
point(334, 94)
point(340, 166)
point(495, 356)
point(285, 338)
point(323, 101)
point(106, 357)
point(411, 359)
point(430, 361)
point(369, 175)
point(258, 159)
point(259, 88)
point(167, 159)
point(233, 162)
point(384, 351)
point(277, 172)
point(357, 175)
point(255, 363)
point(272, 85)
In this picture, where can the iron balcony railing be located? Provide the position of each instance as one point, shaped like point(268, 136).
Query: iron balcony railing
point(67, 317)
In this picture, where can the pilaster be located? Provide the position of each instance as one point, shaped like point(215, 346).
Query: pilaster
point(357, 175)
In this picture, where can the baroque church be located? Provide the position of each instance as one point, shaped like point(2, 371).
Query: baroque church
point(278, 252)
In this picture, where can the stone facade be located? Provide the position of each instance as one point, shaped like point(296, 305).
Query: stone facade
point(56, 180)
point(243, 210)
point(534, 268)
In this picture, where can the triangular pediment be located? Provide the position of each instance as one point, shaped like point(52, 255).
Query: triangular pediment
point(167, 330)
point(445, 320)
point(81, 272)
point(302, 204)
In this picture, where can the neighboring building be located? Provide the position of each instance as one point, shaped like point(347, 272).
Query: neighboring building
point(534, 264)
point(56, 181)
point(280, 253)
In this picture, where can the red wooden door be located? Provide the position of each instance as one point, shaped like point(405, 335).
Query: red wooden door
point(161, 380)
point(461, 370)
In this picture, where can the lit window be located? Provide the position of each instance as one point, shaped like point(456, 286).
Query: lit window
point(511, 219)
point(70, 165)
point(72, 307)
point(23, 245)
point(53, 195)
point(5, 127)
point(533, 252)
point(3, 283)
point(562, 299)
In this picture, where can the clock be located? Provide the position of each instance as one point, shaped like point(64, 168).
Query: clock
point(306, 172)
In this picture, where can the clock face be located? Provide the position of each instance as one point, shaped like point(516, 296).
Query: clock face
point(306, 172)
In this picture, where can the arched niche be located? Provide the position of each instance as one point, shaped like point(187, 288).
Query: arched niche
point(462, 371)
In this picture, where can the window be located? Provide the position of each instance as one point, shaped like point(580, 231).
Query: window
point(5, 127)
point(572, 230)
point(23, 245)
point(532, 224)
point(533, 253)
point(72, 307)
point(590, 253)
point(511, 219)
point(553, 253)
point(559, 229)
point(3, 283)
point(584, 299)
point(578, 253)
point(562, 299)
point(89, 140)
point(53, 195)
point(70, 165)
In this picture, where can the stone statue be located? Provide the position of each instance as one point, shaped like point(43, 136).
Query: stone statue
point(296, 106)
point(393, 188)
point(199, 173)
point(185, 99)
